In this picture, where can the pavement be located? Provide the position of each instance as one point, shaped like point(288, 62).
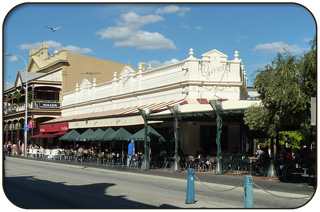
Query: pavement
point(227, 180)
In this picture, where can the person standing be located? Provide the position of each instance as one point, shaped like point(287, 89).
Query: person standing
point(9, 148)
point(131, 152)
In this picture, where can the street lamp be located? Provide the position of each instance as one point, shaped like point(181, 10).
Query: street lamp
point(26, 128)
point(174, 111)
point(145, 113)
point(217, 106)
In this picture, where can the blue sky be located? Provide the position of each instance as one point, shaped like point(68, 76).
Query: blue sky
point(159, 34)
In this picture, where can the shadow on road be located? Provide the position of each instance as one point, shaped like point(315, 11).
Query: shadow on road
point(31, 193)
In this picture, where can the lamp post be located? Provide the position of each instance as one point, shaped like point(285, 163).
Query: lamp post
point(174, 111)
point(26, 128)
point(145, 163)
point(217, 106)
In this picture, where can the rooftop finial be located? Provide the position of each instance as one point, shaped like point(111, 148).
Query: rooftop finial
point(236, 55)
point(191, 53)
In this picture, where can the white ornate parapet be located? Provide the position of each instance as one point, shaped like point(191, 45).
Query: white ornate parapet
point(212, 76)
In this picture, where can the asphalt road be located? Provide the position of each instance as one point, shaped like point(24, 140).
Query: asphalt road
point(43, 184)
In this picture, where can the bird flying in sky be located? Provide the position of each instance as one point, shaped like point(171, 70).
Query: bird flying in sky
point(53, 29)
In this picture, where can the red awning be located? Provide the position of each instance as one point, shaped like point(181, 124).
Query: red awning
point(43, 135)
point(48, 135)
point(59, 133)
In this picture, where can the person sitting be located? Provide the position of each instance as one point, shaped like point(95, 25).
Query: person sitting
point(80, 149)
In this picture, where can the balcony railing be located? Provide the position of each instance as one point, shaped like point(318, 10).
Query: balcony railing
point(35, 105)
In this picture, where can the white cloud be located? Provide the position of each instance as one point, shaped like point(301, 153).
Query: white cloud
point(28, 46)
point(13, 58)
point(278, 47)
point(53, 45)
point(129, 34)
point(78, 50)
point(157, 64)
point(198, 27)
point(182, 11)
point(307, 39)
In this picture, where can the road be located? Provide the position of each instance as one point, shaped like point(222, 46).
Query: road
point(42, 184)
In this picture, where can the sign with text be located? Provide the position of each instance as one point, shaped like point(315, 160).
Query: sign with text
point(46, 105)
point(54, 127)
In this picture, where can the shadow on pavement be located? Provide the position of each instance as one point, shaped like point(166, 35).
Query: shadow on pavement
point(31, 193)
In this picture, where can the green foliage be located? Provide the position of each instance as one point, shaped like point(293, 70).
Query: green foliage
point(17, 96)
point(285, 89)
point(292, 138)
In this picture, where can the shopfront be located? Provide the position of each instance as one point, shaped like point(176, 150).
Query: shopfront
point(191, 84)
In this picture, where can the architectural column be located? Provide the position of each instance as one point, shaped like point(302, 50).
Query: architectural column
point(18, 129)
point(12, 126)
point(7, 132)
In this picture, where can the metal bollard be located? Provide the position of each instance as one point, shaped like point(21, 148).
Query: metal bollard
point(248, 191)
point(190, 187)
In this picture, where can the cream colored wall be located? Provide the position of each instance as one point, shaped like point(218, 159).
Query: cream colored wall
point(84, 67)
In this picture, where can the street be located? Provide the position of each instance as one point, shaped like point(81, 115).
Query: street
point(43, 184)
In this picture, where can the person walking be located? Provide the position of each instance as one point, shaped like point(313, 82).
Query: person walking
point(131, 152)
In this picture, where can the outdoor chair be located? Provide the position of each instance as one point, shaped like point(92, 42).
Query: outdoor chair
point(41, 152)
point(62, 154)
point(79, 156)
point(110, 159)
point(46, 153)
point(100, 158)
point(134, 161)
point(201, 166)
point(68, 154)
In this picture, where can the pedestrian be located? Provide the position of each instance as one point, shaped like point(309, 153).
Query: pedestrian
point(9, 148)
point(131, 152)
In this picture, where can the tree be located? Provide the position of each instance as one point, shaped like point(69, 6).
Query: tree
point(285, 88)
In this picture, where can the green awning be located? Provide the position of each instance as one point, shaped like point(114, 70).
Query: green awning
point(70, 136)
point(84, 136)
point(94, 136)
point(105, 135)
point(152, 134)
point(121, 134)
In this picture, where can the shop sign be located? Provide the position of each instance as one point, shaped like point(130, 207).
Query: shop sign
point(32, 123)
point(46, 105)
point(54, 127)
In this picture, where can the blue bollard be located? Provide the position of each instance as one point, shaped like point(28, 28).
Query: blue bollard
point(248, 191)
point(190, 187)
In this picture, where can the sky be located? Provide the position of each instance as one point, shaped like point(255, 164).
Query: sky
point(160, 34)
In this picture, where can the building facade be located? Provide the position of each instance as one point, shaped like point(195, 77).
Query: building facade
point(49, 77)
point(191, 84)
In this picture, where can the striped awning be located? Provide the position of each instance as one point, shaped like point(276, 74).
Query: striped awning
point(155, 107)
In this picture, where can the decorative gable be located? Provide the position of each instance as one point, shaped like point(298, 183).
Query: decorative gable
point(85, 84)
point(214, 55)
point(127, 71)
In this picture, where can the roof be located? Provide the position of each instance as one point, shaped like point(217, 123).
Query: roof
point(7, 86)
point(161, 108)
point(31, 75)
point(156, 107)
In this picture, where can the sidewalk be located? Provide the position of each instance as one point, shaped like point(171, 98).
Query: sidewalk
point(224, 180)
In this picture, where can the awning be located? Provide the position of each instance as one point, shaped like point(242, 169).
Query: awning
point(151, 134)
point(106, 134)
point(95, 135)
point(129, 111)
point(121, 134)
point(84, 136)
point(70, 136)
point(43, 135)
point(59, 133)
